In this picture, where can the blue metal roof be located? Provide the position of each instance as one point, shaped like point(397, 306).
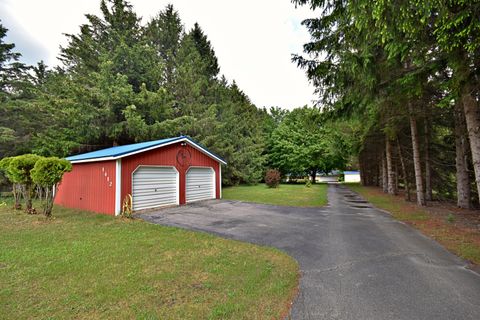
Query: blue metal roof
point(118, 152)
point(351, 172)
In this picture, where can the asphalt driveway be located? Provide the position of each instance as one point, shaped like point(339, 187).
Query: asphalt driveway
point(356, 262)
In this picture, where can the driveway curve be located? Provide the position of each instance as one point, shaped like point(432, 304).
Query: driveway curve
point(356, 261)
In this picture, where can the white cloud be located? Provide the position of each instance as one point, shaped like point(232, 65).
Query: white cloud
point(253, 40)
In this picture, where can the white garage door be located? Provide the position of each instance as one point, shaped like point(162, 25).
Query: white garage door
point(200, 184)
point(154, 187)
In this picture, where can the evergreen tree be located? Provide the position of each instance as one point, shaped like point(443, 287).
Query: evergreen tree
point(206, 51)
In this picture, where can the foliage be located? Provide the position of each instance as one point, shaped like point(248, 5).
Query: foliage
point(450, 218)
point(16, 189)
point(4, 165)
point(19, 172)
point(20, 167)
point(272, 178)
point(122, 82)
point(302, 143)
point(397, 69)
point(28, 171)
point(12, 72)
point(47, 173)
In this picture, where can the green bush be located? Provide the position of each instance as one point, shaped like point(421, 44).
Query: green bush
point(18, 171)
point(47, 173)
point(308, 183)
point(28, 171)
point(16, 188)
point(450, 218)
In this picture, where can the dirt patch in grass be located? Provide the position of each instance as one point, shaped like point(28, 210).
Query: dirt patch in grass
point(456, 229)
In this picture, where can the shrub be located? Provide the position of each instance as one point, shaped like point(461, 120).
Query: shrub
point(47, 173)
point(450, 218)
point(18, 172)
point(272, 178)
point(308, 183)
point(16, 188)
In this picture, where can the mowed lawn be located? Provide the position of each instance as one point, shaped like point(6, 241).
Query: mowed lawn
point(296, 195)
point(89, 266)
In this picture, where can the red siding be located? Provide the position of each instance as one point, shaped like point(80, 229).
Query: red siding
point(89, 186)
point(167, 156)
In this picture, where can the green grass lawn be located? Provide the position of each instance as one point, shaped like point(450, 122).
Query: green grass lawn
point(83, 265)
point(297, 195)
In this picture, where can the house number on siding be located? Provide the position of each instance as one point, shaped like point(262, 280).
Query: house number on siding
point(107, 177)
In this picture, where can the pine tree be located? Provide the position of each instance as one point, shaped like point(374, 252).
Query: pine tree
point(206, 51)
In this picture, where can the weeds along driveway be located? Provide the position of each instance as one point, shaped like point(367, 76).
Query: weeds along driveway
point(356, 261)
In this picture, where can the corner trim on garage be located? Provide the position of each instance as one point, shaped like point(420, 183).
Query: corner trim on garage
point(118, 187)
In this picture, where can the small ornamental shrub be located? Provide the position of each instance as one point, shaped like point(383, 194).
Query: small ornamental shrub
point(450, 218)
point(16, 188)
point(272, 178)
point(308, 183)
point(47, 173)
point(19, 169)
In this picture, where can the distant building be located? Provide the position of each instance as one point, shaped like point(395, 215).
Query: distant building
point(326, 178)
point(352, 176)
point(329, 177)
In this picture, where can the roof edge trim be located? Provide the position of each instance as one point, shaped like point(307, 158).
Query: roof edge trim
point(180, 139)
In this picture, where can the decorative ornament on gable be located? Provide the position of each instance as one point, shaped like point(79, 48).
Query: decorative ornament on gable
point(183, 157)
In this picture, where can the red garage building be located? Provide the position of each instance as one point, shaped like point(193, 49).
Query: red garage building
point(157, 173)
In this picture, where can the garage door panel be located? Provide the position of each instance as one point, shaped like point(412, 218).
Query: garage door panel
point(153, 197)
point(200, 184)
point(150, 187)
point(154, 187)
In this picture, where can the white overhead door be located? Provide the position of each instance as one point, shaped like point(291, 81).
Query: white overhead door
point(154, 187)
point(200, 184)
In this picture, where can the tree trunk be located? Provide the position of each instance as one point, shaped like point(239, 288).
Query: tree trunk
point(49, 196)
point(404, 172)
point(428, 175)
point(461, 159)
point(28, 198)
point(17, 193)
point(396, 176)
point(391, 189)
point(472, 117)
point(384, 174)
point(416, 159)
point(379, 175)
point(314, 175)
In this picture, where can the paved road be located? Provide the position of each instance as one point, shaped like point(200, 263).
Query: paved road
point(356, 261)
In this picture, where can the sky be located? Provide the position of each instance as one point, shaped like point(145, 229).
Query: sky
point(253, 39)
